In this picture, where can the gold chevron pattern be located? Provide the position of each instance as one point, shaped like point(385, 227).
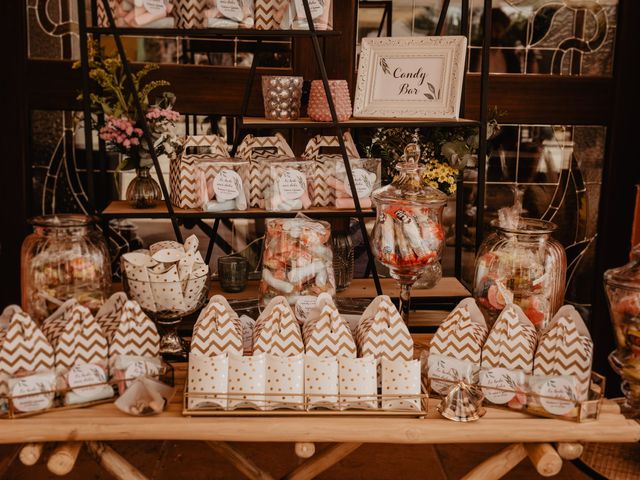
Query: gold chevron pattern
point(76, 337)
point(109, 314)
point(277, 331)
point(191, 13)
point(459, 336)
point(382, 333)
point(23, 346)
point(563, 351)
point(218, 330)
point(511, 344)
point(103, 21)
point(259, 151)
point(135, 334)
point(324, 170)
point(183, 171)
point(270, 13)
point(327, 334)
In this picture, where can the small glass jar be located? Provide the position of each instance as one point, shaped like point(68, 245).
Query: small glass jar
point(523, 262)
point(622, 286)
point(64, 257)
point(343, 254)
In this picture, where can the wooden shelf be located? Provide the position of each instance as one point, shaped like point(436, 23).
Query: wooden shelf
point(122, 209)
point(259, 122)
point(209, 32)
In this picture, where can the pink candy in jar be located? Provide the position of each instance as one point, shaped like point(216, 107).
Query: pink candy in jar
point(318, 108)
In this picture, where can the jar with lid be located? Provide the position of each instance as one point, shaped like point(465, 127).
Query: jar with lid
point(522, 264)
point(408, 233)
point(65, 257)
point(622, 286)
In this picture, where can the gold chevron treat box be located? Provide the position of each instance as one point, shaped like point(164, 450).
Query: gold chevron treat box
point(197, 160)
point(229, 14)
point(277, 331)
point(218, 330)
point(273, 14)
point(259, 152)
point(190, 13)
point(290, 185)
point(222, 185)
point(26, 364)
point(326, 333)
point(81, 353)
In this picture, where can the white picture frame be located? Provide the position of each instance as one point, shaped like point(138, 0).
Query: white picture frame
point(410, 77)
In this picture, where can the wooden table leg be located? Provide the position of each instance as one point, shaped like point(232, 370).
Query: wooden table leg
point(112, 462)
point(545, 458)
point(30, 453)
point(499, 464)
point(570, 451)
point(322, 461)
point(7, 460)
point(305, 449)
point(63, 458)
point(240, 461)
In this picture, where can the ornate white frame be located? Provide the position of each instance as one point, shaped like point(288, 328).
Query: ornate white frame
point(452, 48)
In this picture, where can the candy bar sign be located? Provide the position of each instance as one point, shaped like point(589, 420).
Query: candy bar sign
point(412, 77)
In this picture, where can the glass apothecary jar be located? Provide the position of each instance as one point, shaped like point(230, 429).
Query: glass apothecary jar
point(622, 286)
point(525, 263)
point(64, 257)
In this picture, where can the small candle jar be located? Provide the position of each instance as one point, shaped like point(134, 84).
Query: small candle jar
point(318, 108)
point(282, 95)
point(233, 272)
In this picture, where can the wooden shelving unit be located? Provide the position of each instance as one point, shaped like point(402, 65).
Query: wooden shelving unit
point(259, 122)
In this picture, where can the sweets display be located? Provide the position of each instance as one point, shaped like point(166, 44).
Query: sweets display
point(282, 96)
point(297, 262)
point(522, 264)
point(290, 185)
point(229, 14)
point(65, 257)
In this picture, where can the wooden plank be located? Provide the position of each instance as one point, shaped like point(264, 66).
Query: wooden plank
point(240, 461)
point(323, 461)
point(113, 463)
point(261, 122)
point(545, 458)
point(498, 465)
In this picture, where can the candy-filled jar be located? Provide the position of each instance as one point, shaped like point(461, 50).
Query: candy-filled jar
point(408, 233)
point(297, 262)
point(622, 286)
point(523, 264)
point(65, 257)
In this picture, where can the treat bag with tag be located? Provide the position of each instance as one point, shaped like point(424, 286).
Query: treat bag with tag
point(462, 333)
point(321, 381)
point(321, 13)
point(566, 348)
point(382, 333)
point(558, 394)
point(247, 381)
point(81, 352)
point(401, 377)
point(33, 393)
point(151, 14)
point(511, 344)
point(285, 382)
point(145, 397)
point(208, 381)
point(218, 330)
point(230, 14)
point(444, 371)
point(358, 383)
point(248, 325)
point(502, 386)
point(277, 331)
point(24, 349)
point(326, 333)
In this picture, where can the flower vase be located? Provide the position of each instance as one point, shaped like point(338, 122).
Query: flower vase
point(143, 191)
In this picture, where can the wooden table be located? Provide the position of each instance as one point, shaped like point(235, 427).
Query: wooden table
point(528, 436)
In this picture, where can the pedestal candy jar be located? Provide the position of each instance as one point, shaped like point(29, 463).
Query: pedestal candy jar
point(64, 257)
point(622, 286)
point(523, 264)
point(408, 233)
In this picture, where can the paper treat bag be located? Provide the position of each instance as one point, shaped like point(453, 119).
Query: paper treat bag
point(218, 330)
point(566, 348)
point(358, 383)
point(247, 381)
point(326, 333)
point(382, 333)
point(321, 381)
point(462, 334)
point(208, 381)
point(285, 382)
point(277, 331)
point(401, 377)
point(511, 344)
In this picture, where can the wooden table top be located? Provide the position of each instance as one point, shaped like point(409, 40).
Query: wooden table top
point(106, 422)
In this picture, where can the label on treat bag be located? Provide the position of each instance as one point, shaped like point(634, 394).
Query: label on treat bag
point(84, 375)
point(139, 368)
point(304, 305)
point(505, 380)
point(154, 6)
point(230, 9)
point(558, 388)
point(316, 7)
point(362, 180)
point(24, 393)
point(292, 184)
point(227, 185)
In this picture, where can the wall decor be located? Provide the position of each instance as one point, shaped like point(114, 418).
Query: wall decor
point(410, 77)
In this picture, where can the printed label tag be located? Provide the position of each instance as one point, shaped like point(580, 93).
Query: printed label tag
point(315, 6)
point(362, 179)
point(227, 185)
point(501, 378)
point(140, 368)
point(154, 6)
point(230, 9)
point(30, 386)
point(87, 374)
point(303, 306)
point(292, 184)
point(558, 388)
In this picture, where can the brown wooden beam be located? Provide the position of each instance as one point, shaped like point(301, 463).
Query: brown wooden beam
point(534, 99)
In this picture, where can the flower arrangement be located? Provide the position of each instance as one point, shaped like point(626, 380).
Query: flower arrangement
point(121, 128)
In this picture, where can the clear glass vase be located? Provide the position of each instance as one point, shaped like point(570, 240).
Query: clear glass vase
point(429, 277)
point(143, 191)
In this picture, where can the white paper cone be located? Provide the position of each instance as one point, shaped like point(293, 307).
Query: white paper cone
point(167, 289)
